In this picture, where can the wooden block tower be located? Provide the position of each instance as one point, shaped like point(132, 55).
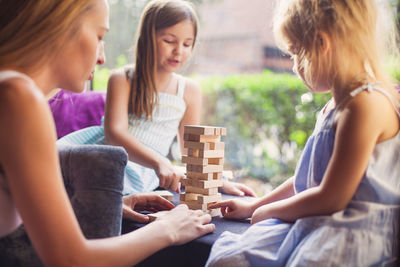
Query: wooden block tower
point(204, 166)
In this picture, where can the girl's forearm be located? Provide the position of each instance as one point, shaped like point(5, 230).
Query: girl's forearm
point(137, 152)
point(311, 202)
point(283, 191)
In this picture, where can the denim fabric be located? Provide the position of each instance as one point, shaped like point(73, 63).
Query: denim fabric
point(93, 177)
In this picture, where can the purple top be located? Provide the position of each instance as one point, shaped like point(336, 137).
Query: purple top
point(75, 111)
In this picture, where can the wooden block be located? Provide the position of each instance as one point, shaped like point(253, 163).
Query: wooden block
point(211, 153)
point(204, 130)
point(193, 152)
point(198, 145)
point(223, 131)
point(204, 176)
point(217, 146)
point(186, 182)
point(208, 199)
point(189, 197)
point(201, 138)
point(154, 216)
point(214, 212)
point(193, 205)
point(204, 168)
point(199, 153)
point(201, 176)
point(204, 184)
point(208, 184)
point(215, 161)
point(197, 129)
point(202, 161)
point(204, 145)
point(165, 194)
point(197, 206)
point(217, 175)
point(195, 161)
point(203, 191)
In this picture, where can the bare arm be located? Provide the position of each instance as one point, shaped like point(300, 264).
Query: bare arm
point(116, 122)
point(29, 158)
point(367, 120)
point(116, 133)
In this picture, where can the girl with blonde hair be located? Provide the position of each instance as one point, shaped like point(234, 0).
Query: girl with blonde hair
point(342, 207)
point(149, 104)
point(46, 45)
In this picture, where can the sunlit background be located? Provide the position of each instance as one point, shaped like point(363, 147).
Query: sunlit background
point(247, 83)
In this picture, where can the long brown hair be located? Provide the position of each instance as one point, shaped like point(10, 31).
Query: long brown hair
point(157, 15)
point(33, 32)
point(352, 24)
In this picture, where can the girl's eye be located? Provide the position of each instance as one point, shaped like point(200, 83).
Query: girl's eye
point(168, 41)
point(187, 45)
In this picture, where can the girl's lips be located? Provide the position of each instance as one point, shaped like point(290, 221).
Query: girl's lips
point(173, 62)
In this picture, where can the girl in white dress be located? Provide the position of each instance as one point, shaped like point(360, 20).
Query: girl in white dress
point(148, 104)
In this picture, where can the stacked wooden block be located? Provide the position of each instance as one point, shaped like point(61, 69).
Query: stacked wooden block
point(204, 166)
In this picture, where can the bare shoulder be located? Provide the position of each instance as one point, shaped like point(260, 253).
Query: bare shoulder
point(118, 81)
point(373, 112)
point(192, 90)
point(23, 110)
point(19, 93)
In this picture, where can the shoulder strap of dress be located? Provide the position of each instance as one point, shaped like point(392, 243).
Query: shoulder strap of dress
point(9, 74)
point(181, 86)
point(374, 86)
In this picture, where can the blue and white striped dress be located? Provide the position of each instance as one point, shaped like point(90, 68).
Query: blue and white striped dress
point(157, 135)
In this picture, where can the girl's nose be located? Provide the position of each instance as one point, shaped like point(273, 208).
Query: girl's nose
point(178, 49)
point(101, 57)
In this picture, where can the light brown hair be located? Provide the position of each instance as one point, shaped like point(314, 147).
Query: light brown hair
point(157, 15)
point(32, 32)
point(351, 24)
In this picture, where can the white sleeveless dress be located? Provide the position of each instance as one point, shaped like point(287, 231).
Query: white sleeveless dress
point(9, 216)
point(157, 135)
point(365, 233)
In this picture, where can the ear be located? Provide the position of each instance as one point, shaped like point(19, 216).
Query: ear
point(325, 43)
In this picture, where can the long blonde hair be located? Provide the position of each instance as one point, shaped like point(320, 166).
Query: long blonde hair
point(157, 15)
point(32, 32)
point(353, 25)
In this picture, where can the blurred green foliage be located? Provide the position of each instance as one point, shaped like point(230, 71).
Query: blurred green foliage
point(268, 117)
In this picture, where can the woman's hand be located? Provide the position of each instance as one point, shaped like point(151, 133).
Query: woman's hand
point(135, 203)
point(235, 208)
point(168, 175)
point(237, 189)
point(185, 225)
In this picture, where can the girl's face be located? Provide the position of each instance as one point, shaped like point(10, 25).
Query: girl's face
point(315, 79)
point(174, 46)
point(76, 63)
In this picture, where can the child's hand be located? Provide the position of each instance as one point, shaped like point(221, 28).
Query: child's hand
point(237, 189)
point(169, 176)
point(185, 225)
point(234, 208)
point(143, 201)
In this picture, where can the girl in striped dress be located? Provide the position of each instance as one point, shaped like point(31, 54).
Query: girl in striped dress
point(148, 104)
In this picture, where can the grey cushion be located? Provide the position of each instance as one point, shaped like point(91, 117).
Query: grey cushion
point(93, 177)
